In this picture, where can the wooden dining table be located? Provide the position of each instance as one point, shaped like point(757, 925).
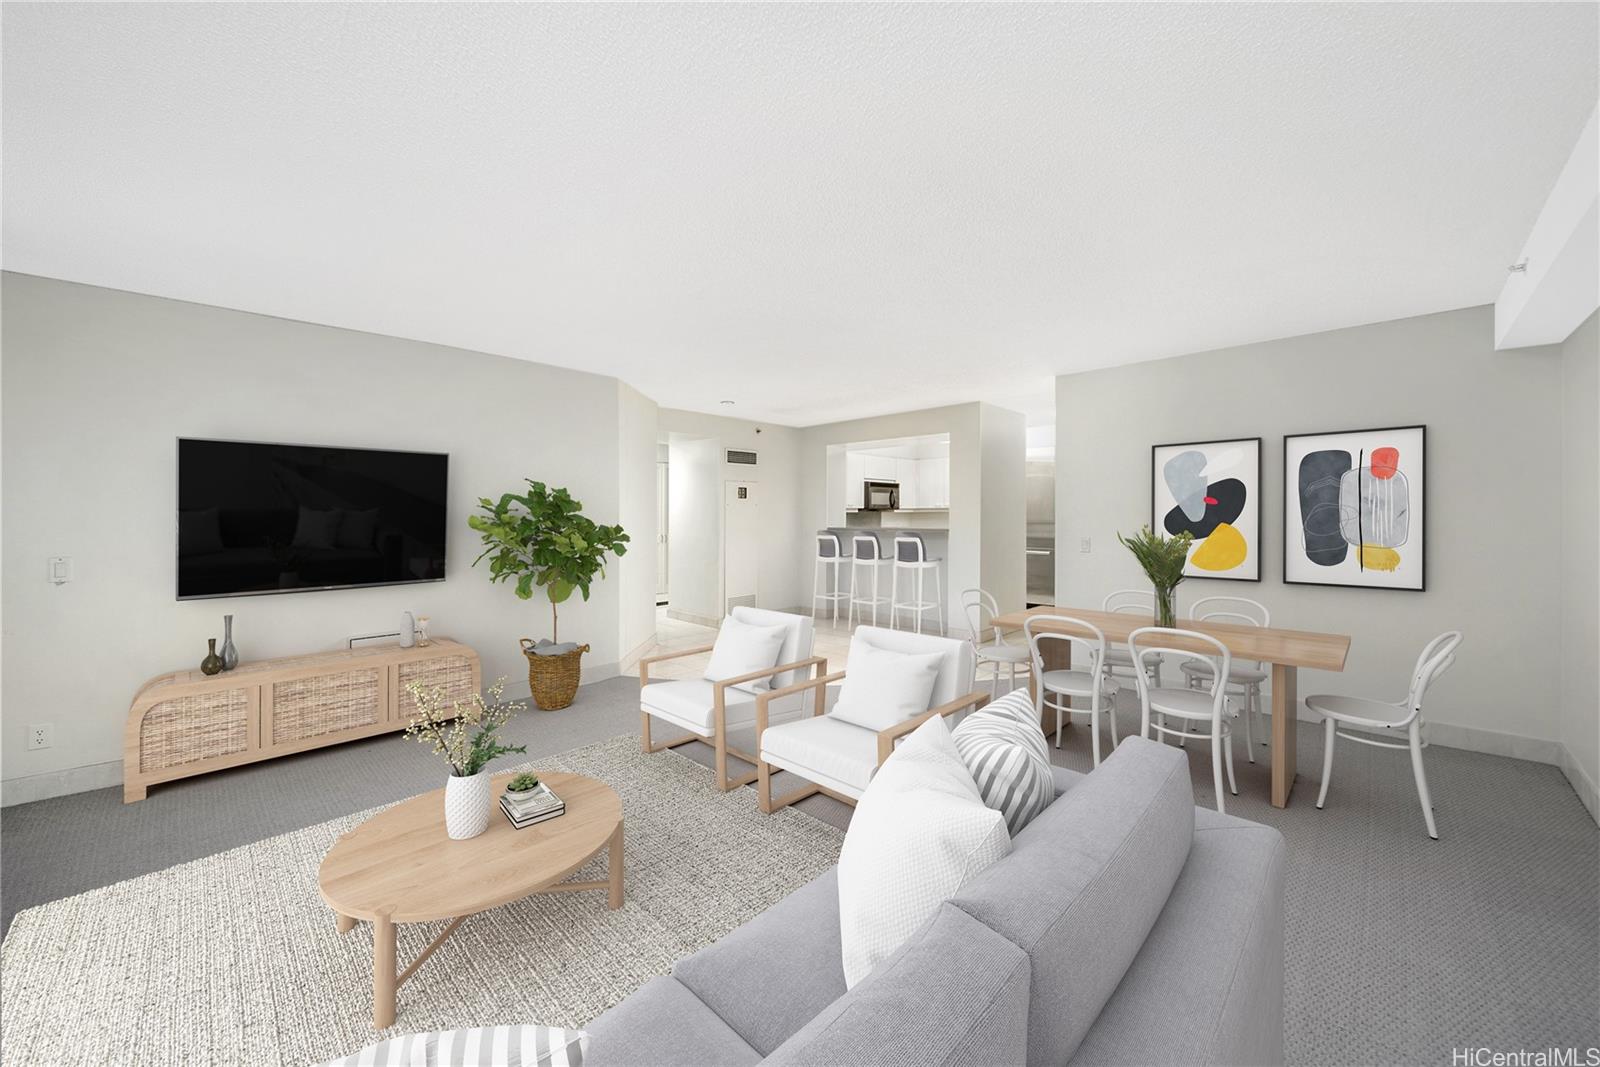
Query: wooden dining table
point(1284, 652)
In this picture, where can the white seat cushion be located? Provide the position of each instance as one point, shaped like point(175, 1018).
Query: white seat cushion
point(1358, 711)
point(920, 833)
point(689, 703)
point(1238, 673)
point(1003, 653)
point(825, 750)
point(1184, 703)
point(743, 647)
point(884, 688)
point(1076, 683)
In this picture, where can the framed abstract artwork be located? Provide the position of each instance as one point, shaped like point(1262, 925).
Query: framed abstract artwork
point(1212, 489)
point(1354, 508)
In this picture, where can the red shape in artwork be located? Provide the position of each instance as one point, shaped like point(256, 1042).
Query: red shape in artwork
point(1211, 500)
point(1385, 461)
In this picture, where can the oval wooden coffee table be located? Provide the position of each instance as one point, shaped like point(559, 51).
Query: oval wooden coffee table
point(401, 867)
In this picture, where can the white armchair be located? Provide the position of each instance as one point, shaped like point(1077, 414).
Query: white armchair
point(837, 757)
point(711, 710)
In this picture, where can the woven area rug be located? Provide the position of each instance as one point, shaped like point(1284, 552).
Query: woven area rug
point(234, 958)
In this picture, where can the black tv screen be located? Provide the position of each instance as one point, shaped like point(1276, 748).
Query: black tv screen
point(259, 518)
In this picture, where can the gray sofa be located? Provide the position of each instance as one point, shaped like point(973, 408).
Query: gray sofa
point(1127, 926)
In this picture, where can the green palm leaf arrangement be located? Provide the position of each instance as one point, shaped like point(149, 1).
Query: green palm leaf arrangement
point(1163, 560)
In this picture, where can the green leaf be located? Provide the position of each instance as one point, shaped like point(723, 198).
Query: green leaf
point(559, 590)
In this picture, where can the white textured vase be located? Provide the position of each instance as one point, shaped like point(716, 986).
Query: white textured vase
point(467, 805)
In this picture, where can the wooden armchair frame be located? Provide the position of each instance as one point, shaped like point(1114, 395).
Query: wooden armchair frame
point(719, 710)
point(886, 737)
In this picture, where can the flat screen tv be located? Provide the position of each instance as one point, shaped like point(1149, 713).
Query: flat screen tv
point(260, 518)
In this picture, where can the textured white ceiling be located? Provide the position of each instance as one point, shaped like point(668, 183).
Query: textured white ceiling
point(818, 212)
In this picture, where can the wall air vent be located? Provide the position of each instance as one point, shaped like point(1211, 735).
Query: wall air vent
point(746, 601)
point(741, 456)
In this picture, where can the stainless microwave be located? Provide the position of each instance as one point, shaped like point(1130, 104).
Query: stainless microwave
point(880, 496)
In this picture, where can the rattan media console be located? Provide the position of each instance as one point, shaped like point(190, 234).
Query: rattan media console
point(187, 723)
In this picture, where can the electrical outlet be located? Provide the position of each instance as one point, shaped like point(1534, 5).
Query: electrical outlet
point(40, 735)
point(1083, 546)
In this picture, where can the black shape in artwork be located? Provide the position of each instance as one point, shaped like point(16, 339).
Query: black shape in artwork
point(1229, 495)
point(1320, 473)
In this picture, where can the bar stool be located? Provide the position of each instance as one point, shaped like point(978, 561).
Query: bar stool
point(911, 556)
point(867, 552)
point(830, 557)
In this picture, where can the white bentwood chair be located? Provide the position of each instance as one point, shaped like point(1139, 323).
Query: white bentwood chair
point(981, 609)
point(1187, 705)
point(711, 710)
point(1119, 664)
point(1055, 689)
point(837, 757)
point(1246, 677)
point(1369, 716)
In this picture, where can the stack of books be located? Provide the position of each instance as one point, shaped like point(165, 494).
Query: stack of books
point(538, 806)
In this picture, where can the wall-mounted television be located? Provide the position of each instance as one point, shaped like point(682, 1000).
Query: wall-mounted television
point(262, 518)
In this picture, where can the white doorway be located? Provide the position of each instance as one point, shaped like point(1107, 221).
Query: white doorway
point(662, 525)
point(741, 545)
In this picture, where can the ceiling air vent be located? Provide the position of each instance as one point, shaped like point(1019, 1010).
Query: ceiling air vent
point(741, 456)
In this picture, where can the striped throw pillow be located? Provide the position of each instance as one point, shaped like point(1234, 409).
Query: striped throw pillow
point(513, 1046)
point(1003, 746)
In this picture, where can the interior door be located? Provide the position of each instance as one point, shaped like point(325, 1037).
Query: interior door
point(661, 533)
point(741, 545)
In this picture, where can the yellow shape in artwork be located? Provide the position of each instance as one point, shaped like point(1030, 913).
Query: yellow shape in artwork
point(1379, 558)
point(1223, 550)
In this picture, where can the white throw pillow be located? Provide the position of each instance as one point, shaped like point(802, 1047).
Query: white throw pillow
point(882, 688)
point(743, 647)
point(920, 833)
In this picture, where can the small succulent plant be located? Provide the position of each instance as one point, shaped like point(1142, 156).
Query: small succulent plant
point(523, 783)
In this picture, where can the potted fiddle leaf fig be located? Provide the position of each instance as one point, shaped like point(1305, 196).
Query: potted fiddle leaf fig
point(542, 540)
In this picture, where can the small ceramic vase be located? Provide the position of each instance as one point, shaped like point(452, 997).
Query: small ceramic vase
point(230, 655)
point(467, 805)
point(212, 664)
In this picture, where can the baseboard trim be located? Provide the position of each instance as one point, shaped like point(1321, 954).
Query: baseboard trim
point(27, 788)
point(698, 620)
point(1581, 784)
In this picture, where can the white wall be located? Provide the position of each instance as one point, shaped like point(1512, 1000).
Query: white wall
point(1495, 487)
point(1003, 515)
point(1580, 547)
point(777, 474)
point(100, 383)
point(637, 507)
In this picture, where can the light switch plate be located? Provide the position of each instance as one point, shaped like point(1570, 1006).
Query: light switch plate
point(58, 569)
point(1083, 545)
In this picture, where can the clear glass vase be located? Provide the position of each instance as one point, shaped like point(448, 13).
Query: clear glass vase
point(1165, 616)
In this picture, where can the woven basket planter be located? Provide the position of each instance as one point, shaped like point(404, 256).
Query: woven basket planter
point(553, 680)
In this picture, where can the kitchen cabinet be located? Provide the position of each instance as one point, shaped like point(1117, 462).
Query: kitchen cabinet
point(880, 468)
point(905, 472)
point(855, 475)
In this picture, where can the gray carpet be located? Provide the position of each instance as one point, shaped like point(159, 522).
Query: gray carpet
point(1399, 948)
